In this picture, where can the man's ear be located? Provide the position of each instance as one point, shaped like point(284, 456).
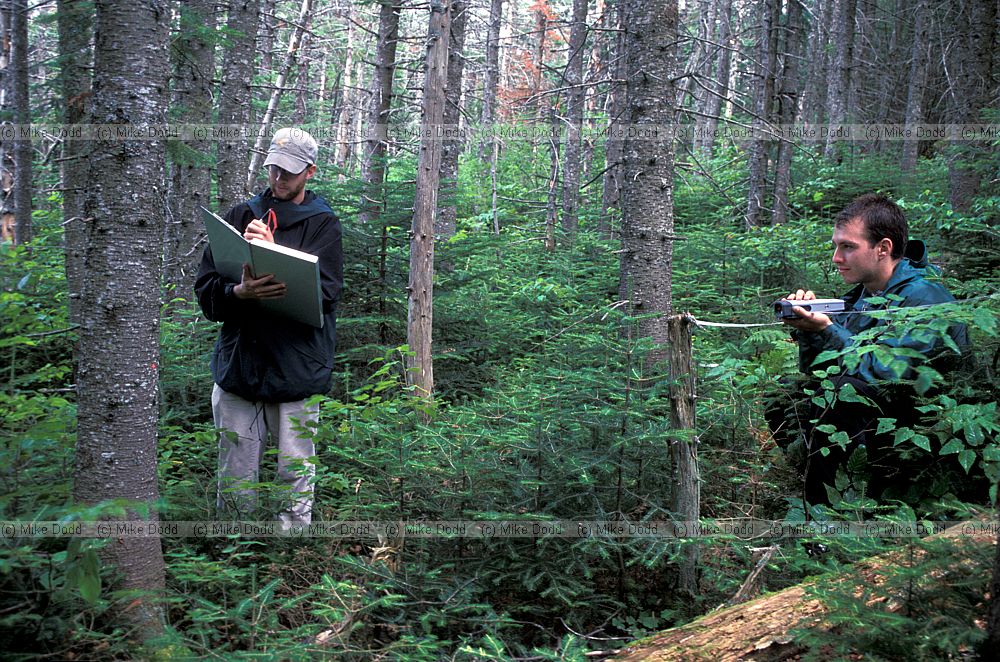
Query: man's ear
point(884, 247)
point(310, 171)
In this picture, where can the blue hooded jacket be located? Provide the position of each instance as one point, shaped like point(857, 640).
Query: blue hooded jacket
point(908, 286)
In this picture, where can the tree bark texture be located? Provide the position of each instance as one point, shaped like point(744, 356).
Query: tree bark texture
point(839, 86)
point(345, 113)
point(719, 84)
point(614, 148)
point(647, 204)
point(686, 502)
point(491, 78)
point(760, 149)
point(119, 337)
point(76, 27)
point(575, 97)
point(452, 146)
point(234, 99)
point(23, 151)
point(919, 60)
point(420, 292)
point(373, 161)
point(972, 89)
point(193, 52)
point(788, 105)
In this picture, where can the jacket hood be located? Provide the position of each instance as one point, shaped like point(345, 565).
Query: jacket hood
point(288, 213)
point(916, 253)
point(913, 265)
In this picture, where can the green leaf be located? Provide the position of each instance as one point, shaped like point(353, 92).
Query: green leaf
point(953, 446)
point(902, 434)
point(885, 424)
point(922, 441)
point(967, 459)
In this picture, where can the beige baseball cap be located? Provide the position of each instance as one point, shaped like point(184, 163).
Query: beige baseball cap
point(292, 149)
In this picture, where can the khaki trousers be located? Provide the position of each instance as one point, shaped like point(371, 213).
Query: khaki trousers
point(243, 430)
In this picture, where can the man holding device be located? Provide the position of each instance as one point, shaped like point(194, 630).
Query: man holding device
point(870, 250)
point(266, 366)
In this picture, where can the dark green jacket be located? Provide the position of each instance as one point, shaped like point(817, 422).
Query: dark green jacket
point(260, 356)
point(909, 282)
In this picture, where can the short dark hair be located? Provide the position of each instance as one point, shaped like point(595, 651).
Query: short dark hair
point(882, 219)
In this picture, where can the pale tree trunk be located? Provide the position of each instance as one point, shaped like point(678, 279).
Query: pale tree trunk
point(345, 116)
point(614, 147)
point(373, 160)
point(839, 82)
point(788, 113)
point(491, 80)
point(191, 178)
point(6, 158)
point(234, 100)
point(420, 292)
point(917, 82)
point(75, 25)
point(119, 337)
point(972, 89)
point(551, 213)
point(23, 152)
point(695, 70)
point(647, 196)
point(816, 87)
point(452, 146)
point(594, 78)
point(712, 107)
point(575, 97)
point(534, 107)
point(767, 47)
point(295, 41)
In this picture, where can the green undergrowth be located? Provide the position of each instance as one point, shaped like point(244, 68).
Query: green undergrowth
point(545, 411)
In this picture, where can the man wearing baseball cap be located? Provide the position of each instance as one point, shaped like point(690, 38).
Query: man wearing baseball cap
point(265, 366)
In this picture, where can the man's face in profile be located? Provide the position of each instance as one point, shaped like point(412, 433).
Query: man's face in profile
point(855, 258)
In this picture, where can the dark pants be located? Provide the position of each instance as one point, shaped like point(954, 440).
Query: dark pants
point(865, 458)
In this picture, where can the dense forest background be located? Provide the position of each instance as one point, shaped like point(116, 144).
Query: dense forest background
point(529, 192)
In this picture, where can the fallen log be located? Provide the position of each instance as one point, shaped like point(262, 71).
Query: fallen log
point(762, 629)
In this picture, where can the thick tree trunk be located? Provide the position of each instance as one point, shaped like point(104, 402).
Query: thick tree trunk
point(575, 97)
point(191, 178)
point(23, 152)
point(373, 161)
point(839, 82)
point(119, 338)
point(452, 146)
point(75, 25)
point(295, 41)
point(234, 100)
point(788, 112)
point(420, 292)
point(647, 200)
